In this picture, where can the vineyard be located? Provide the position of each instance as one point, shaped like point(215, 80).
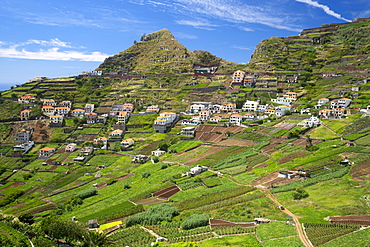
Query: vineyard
point(174, 233)
point(133, 236)
point(212, 198)
point(319, 233)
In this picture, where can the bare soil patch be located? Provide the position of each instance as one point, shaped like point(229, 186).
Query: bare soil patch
point(210, 151)
point(293, 156)
point(351, 219)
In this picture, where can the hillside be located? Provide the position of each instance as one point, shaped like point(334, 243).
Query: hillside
point(274, 155)
point(340, 48)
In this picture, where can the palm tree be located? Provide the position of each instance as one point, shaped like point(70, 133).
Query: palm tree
point(98, 239)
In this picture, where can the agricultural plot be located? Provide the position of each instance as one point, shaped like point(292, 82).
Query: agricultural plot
point(237, 160)
point(253, 136)
point(174, 233)
point(363, 141)
point(238, 241)
point(275, 230)
point(311, 181)
point(185, 145)
point(11, 237)
point(212, 198)
point(357, 238)
point(283, 242)
point(133, 236)
point(319, 234)
point(333, 197)
point(211, 182)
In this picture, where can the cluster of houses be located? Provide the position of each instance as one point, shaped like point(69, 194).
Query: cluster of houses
point(333, 109)
point(23, 138)
point(205, 111)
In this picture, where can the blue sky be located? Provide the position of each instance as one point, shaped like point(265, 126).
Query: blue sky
point(63, 38)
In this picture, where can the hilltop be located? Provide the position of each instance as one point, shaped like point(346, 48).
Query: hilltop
point(160, 53)
point(144, 149)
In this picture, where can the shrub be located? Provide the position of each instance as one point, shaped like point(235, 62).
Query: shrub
point(299, 194)
point(155, 159)
point(194, 221)
point(145, 174)
point(87, 193)
point(154, 215)
point(111, 181)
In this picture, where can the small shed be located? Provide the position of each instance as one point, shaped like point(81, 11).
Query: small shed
point(261, 220)
point(93, 224)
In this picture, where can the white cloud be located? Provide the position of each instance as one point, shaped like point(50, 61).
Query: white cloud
point(54, 53)
point(185, 36)
point(241, 47)
point(200, 24)
point(323, 7)
point(247, 29)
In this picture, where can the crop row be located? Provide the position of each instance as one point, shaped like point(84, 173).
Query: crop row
point(234, 160)
point(232, 201)
point(189, 185)
point(173, 230)
point(322, 233)
point(224, 230)
point(133, 236)
point(311, 181)
point(114, 212)
point(212, 198)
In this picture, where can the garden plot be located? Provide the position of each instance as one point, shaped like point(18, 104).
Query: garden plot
point(363, 220)
point(222, 223)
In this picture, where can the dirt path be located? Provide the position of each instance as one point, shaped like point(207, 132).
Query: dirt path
point(298, 226)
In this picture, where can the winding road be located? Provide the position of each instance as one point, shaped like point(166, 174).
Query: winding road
point(298, 226)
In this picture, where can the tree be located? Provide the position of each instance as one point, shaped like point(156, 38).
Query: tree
point(26, 218)
point(163, 146)
point(299, 194)
point(57, 228)
point(97, 239)
point(228, 133)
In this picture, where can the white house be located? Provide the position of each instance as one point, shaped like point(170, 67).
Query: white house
point(214, 108)
point(281, 110)
point(102, 141)
point(199, 106)
point(158, 152)
point(46, 152)
point(61, 110)
point(56, 120)
point(238, 77)
point(309, 123)
point(26, 99)
point(321, 102)
point(80, 113)
point(235, 118)
point(127, 143)
point(89, 108)
point(250, 105)
point(48, 110)
point(71, 147)
point(116, 133)
point(228, 107)
point(215, 119)
point(204, 115)
point(197, 170)
point(188, 131)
